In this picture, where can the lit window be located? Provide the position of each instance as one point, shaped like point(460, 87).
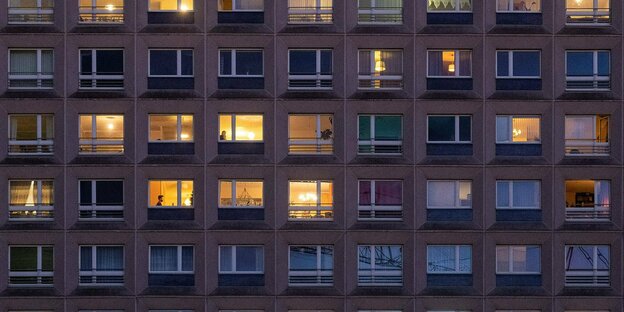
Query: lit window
point(31, 134)
point(518, 64)
point(518, 6)
point(515, 259)
point(171, 259)
point(518, 194)
point(449, 63)
point(588, 70)
point(241, 5)
point(380, 69)
point(588, 200)
point(101, 200)
point(518, 129)
point(241, 63)
point(449, 194)
point(380, 134)
point(449, 129)
point(380, 265)
point(310, 11)
point(380, 200)
point(588, 11)
point(445, 6)
point(31, 266)
point(587, 265)
point(31, 69)
point(587, 135)
point(31, 200)
point(170, 63)
point(311, 266)
point(240, 128)
point(101, 265)
point(171, 128)
point(247, 194)
point(101, 11)
point(171, 193)
point(310, 200)
point(101, 134)
point(449, 259)
point(241, 260)
point(310, 134)
point(380, 12)
point(310, 69)
point(31, 11)
point(101, 69)
point(170, 5)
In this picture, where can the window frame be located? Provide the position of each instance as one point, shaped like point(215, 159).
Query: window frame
point(373, 141)
point(457, 130)
point(599, 212)
point(39, 143)
point(319, 11)
point(595, 271)
point(456, 269)
point(94, 141)
point(233, 258)
point(178, 10)
point(373, 207)
point(318, 142)
point(510, 119)
point(596, 77)
point(40, 76)
point(378, 273)
point(95, 11)
point(179, 257)
point(594, 142)
point(510, 8)
point(39, 206)
point(510, 188)
point(319, 208)
point(234, 205)
point(595, 16)
point(38, 273)
point(234, 64)
point(373, 11)
point(233, 129)
point(456, 63)
point(39, 10)
point(319, 274)
point(178, 128)
point(94, 208)
point(234, 10)
point(179, 198)
point(510, 255)
point(178, 63)
point(456, 196)
point(510, 64)
point(318, 77)
point(374, 77)
point(94, 272)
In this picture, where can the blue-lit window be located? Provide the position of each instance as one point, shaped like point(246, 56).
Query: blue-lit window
point(518, 64)
point(518, 259)
point(310, 69)
point(241, 63)
point(588, 70)
point(449, 259)
point(171, 63)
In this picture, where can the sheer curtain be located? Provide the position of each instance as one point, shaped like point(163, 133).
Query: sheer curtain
point(164, 258)
point(364, 60)
point(23, 62)
point(435, 63)
point(441, 194)
point(465, 63)
point(526, 194)
point(23, 193)
point(109, 258)
point(579, 128)
point(530, 126)
point(388, 193)
point(603, 193)
point(393, 61)
point(502, 194)
point(47, 62)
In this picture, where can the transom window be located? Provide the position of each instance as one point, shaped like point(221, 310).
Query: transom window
point(517, 194)
point(380, 265)
point(310, 11)
point(441, 6)
point(241, 194)
point(101, 69)
point(101, 134)
point(171, 193)
point(241, 5)
point(587, 135)
point(101, 11)
point(449, 129)
point(588, 11)
point(240, 128)
point(380, 134)
point(31, 68)
point(31, 200)
point(380, 200)
point(449, 259)
point(449, 194)
point(310, 200)
point(380, 69)
point(311, 134)
point(241, 259)
point(588, 200)
point(101, 265)
point(171, 128)
point(101, 200)
point(518, 259)
point(518, 64)
point(310, 69)
point(311, 266)
point(587, 265)
point(170, 63)
point(518, 129)
point(31, 266)
point(31, 134)
point(380, 12)
point(171, 259)
point(170, 5)
point(588, 70)
point(241, 63)
point(449, 63)
point(31, 12)
point(518, 6)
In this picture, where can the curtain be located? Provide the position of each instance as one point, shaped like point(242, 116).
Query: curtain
point(47, 62)
point(47, 193)
point(526, 194)
point(364, 60)
point(23, 193)
point(388, 127)
point(436, 64)
point(47, 127)
point(465, 63)
point(502, 194)
point(381, 4)
point(442, 5)
point(23, 62)
point(502, 259)
point(388, 193)
point(393, 61)
point(579, 128)
point(250, 4)
point(109, 258)
point(187, 258)
point(502, 129)
point(603, 193)
point(441, 259)
point(365, 193)
point(249, 259)
point(502, 5)
point(164, 258)
point(86, 259)
point(441, 194)
point(530, 127)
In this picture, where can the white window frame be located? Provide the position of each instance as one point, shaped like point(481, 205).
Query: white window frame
point(39, 274)
point(180, 200)
point(595, 78)
point(178, 128)
point(318, 208)
point(374, 142)
point(456, 195)
point(233, 263)
point(95, 273)
point(456, 63)
point(377, 274)
point(389, 212)
point(374, 11)
point(457, 8)
point(510, 63)
point(597, 278)
point(233, 129)
point(510, 8)
point(94, 208)
point(456, 270)
point(318, 77)
point(317, 142)
point(39, 143)
point(39, 75)
point(179, 8)
point(38, 205)
point(95, 11)
point(597, 212)
point(510, 192)
point(234, 10)
point(594, 13)
point(233, 190)
point(233, 60)
point(322, 277)
point(510, 269)
point(94, 78)
point(457, 130)
point(510, 119)
point(94, 141)
point(374, 78)
point(38, 11)
point(589, 143)
point(178, 63)
point(179, 255)
point(318, 12)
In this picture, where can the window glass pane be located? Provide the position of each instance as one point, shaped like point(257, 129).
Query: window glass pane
point(225, 62)
point(225, 127)
point(326, 127)
point(86, 258)
point(502, 194)
point(108, 192)
point(442, 5)
point(526, 194)
point(163, 258)
point(186, 62)
point(465, 194)
point(604, 68)
point(533, 260)
point(364, 257)
point(109, 127)
point(579, 63)
point(161, 5)
point(186, 5)
point(441, 259)
point(302, 62)
point(603, 257)
point(465, 63)
point(502, 63)
point(502, 259)
point(388, 127)
point(389, 193)
point(249, 128)
point(249, 259)
point(365, 192)
point(47, 259)
point(364, 127)
point(526, 63)
point(225, 193)
point(47, 193)
point(47, 127)
point(441, 194)
point(464, 128)
point(163, 127)
point(109, 62)
point(465, 258)
point(327, 194)
point(436, 64)
point(109, 258)
point(441, 128)
point(580, 258)
point(187, 258)
point(526, 129)
point(364, 62)
point(225, 261)
point(503, 5)
point(248, 62)
point(86, 62)
point(327, 258)
point(23, 62)
point(187, 128)
point(163, 62)
point(85, 193)
point(248, 193)
point(187, 193)
point(303, 193)
point(388, 258)
point(23, 259)
point(326, 62)
point(502, 129)
point(225, 5)
point(23, 127)
point(579, 127)
point(47, 61)
point(86, 127)
point(23, 193)
point(302, 127)
point(163, 193)
point(250, 4)
point(303, 258)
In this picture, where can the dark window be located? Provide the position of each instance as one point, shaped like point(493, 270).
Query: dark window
point(171, 62)
point(240, 63)
point(106, 192)
point(449, 129)
point(518, 64)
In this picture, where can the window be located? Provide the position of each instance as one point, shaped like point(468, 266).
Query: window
point(101, 200)
point(380, 265)
point(380, 69)
point(170, 5)
point(101, 69)
point(101, 265)
point(588, 70)
point(518, 6)
point(449, 194)
point(170, 194)
point(31, 12)
point(101, 11)
point(240, 128)
point(171, 128)
point(310, 11)
point(171, 259)
point(380, 134)
point(170, 63)
point(241, 260)
point(446, 6)
point(449, 259)
point(311, 266)
point(518, 129)
point(518, 64)
point(380, 200)
point(241, 63)
point(31, 134)
point(247, 194)
point(588, 11)
point(310, 200)
point(31, 68)
point(449, 63)
point(588, 200)
point(587, 135)
point(518, 194)
point(516, 259)
point(380, 12)
point(310, 134)
point(31, 265)
point(241, 5)
point(101, 134)
point(310, 69)
point(31, 200)
point(449, 129)
point(587, 265)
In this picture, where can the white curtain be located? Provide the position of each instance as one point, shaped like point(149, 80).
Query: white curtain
point(441, 194)
point(23, 193)
point(109, 258)
point(164, 258)
point(23, 62)
point(579, 128)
